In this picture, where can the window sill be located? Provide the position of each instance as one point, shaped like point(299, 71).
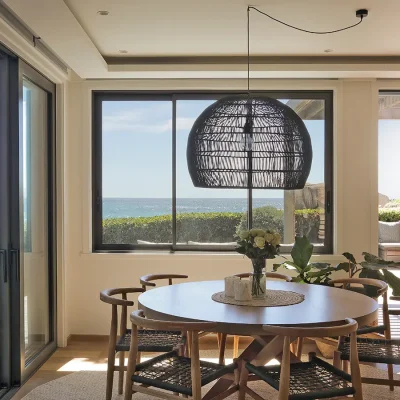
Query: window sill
point(159, 254)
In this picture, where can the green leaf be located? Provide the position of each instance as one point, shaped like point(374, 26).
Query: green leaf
point(308, 268)
point(297, 279)
point(291, 265)
point(320, 273)
point(275, 267)
point(371, 291)
point(374, 262)
point(393, 281)
point(301, 252)
point(344, 266)
point(241, 249)
point(350, 257)
point(319, 265)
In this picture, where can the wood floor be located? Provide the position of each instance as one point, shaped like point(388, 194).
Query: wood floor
point(91, 353)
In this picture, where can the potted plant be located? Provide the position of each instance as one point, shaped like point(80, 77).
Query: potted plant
point(371, 267)
point(258, 245)
point(307, 272)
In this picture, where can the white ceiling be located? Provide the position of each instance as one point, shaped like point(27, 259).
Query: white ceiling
point(90, 43)
point(218, 27)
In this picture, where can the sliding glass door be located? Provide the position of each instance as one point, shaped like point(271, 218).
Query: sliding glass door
point(27, 223)
point(37, 241)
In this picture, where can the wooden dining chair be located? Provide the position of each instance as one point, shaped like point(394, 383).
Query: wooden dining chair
point(315, 379)
point(380, 348)
point(147, 281)
point(236, 338)
point(156, 341)
point(173, 371)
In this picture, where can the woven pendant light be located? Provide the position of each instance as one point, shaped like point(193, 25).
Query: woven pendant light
point(248, 141)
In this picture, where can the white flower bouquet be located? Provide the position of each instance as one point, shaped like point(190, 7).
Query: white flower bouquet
point(258, 245)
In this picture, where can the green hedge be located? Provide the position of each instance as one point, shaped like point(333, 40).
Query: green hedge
point(267, 217)
point(205, 227)
point(197, 227)
point(389, 215)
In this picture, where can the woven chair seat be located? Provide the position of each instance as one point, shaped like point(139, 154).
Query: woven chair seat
point(315, 379)
point(373, 350)
point(157, 341)
point(172, 372)
point(371, 329)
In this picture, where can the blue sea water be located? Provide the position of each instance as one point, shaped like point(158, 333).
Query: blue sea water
point(140, 207)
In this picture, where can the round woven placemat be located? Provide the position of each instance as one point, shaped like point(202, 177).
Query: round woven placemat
point(273, 298)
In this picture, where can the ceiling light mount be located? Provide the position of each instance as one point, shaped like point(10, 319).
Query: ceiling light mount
point(362, 13)
point(103, 13)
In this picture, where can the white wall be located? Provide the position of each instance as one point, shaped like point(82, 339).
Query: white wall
point(86, 273)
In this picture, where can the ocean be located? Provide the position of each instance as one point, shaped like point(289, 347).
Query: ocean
point(140, 207)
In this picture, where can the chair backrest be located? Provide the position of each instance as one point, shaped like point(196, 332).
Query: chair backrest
point(147, 280)
point(382, 288)
point(139, 319)
point(345, 282)
point(315, 331)
point(107, 296)
point(349, 328)
point(273, 275)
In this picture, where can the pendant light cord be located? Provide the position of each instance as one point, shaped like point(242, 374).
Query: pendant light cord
point(290, 26)
point(248, 50)
point(305, 30)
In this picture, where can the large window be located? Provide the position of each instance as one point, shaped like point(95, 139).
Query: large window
point(143, 197)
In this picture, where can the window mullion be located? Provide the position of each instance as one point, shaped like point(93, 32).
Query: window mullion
point(249, 208)
point(173, 172)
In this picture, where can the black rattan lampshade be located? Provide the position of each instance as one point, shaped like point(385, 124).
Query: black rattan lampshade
point(248, 141)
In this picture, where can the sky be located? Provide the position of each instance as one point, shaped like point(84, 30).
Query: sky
point(388, 153)
point(137, 151)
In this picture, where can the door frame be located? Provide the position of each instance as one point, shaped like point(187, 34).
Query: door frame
point(9, 286)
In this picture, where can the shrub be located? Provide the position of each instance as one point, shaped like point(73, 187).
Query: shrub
point(389, 215)
point(198, 227)
point(216, 227)
point(267, 217)
point(207, 227)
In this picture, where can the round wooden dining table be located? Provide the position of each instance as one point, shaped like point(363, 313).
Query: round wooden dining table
point(322, 306)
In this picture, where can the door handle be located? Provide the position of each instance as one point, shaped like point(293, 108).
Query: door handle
point(15, 262)
point(328, 202)
point(3, 262)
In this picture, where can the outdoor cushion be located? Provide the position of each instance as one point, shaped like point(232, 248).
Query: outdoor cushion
point(391, 246)
point(389, 232)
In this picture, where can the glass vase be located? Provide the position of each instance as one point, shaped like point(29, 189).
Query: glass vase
point(258, 282)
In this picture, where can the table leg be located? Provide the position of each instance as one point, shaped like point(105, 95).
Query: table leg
point(221, 385)
point(260, 350)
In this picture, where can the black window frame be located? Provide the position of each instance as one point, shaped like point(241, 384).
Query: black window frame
point(98, 96)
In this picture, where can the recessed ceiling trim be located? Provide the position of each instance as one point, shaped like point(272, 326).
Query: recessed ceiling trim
point(242, 60)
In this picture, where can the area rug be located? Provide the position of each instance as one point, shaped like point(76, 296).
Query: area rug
point(91, 385)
